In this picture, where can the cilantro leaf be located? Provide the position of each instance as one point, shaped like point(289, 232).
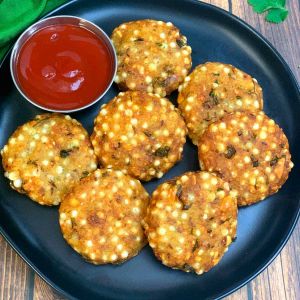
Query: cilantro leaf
point(260, 6)
point(276, 15)
point(276, 11)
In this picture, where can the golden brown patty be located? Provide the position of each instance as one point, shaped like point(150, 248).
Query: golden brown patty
point(191, 221)
point(101, 217)
point(212, 90)
point(46, 156)
point(249, 151)
point(139, 133)
point(152, 56)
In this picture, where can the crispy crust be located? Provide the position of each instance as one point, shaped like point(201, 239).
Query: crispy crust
point(212, 90)
point(249, 151)
point(191, 221)
point(101, 217)
point(144, 49)
point(139, 133)
point(46, 156)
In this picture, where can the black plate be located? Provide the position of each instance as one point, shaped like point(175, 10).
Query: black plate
point(263, 229)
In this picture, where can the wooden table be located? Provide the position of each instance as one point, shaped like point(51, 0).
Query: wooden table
point(281, 280)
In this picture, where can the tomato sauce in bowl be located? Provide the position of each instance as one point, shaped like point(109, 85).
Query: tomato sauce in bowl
point(64, 67)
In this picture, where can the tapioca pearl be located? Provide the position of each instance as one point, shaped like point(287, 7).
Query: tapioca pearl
point(141, 68)
point(92, 256)
point(220, 194)
point(188, 108)
point(239, 102)
point(247, 159)
point(83, 222)
point(44, 139)
point(186, 60)
point(74, 213)
point(263, 135)
point(166, 132)
point(272, 177)
point(204, 175)
point(161, 231)
point(214, 181)
point(261, 179)
point(131, 85)
point(113, 257)
point(124, 254)
point(115, 239)
point(173, 45)
point(63, 216)
point(255, 151)
point(93, 165)
point(168, 208)
point(59, 169)
point(252, 181)
point(23, 154)
point(235, 140)
point(233, 122)
point(149, 108)
point(89, 243)
point(11, 141)
point(221, 147)
point(136, 210)
point(124, 138)
point(128, 112)
point(267, 158)
point(152, 67)
point(45, 162)
point(149, 89)
point(132, 141)
point(249, 145)
point(129, 191)
point(234, 173)
point(17, 183)
point(181, 240)
point(222, 125)
point(226, 70)
point(260, 116)
point(177, 54)
point(256, 104)
point(181, 87)
point(256, 172)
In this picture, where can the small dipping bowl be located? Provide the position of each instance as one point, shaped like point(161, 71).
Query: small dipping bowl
point(63, 64)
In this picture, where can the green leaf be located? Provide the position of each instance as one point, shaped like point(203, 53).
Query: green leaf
point(260, 6)
point(276, 11)
point(277, 15)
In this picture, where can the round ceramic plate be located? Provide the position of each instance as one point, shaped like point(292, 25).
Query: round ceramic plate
point(263, 229)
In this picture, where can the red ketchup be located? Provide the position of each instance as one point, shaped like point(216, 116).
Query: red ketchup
point(64, 67)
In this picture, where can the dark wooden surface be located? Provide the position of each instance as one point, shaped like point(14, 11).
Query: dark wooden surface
point(281, 280)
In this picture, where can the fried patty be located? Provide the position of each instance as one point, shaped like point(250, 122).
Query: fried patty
point(212, 90)
point(139, 133)
point(101, 217)
point(46, 156)
point(191, 221)
point(153, 56)
point(248, 150)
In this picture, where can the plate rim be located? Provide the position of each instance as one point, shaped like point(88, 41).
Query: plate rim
point(294, 82)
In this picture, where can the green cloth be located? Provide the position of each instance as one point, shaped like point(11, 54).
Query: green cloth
point(17, 15)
